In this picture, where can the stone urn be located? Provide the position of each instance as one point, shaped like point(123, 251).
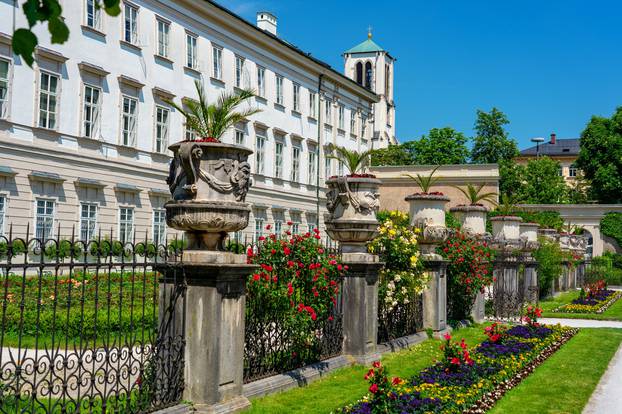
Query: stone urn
point(565, 240)
point(506, 227)
point(352, 204)
point(472, 218)
point(529, 235)
point(208, 183)
point(549, 234)
point(427, 212)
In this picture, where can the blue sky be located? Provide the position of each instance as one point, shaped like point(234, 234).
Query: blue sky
point(548, 64)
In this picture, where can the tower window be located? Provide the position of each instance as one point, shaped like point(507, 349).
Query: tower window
point(359, 73)
point(368, 75)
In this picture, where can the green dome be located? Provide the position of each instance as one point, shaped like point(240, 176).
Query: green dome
point(366, 47)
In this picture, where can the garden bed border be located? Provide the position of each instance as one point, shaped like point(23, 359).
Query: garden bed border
point(614, 298)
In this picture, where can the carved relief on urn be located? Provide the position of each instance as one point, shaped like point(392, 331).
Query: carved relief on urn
point(352, 204)
point(472, 218)
point(208, 183)
point(427, 212)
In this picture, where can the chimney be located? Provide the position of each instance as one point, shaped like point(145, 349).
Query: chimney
point(266, 21)
point(553, 138)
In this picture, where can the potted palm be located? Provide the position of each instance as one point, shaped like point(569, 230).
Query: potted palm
point(208, 179)
point(352, 201)
point(472, 216)
point(506, 224)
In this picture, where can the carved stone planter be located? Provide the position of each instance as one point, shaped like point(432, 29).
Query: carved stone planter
point(427, 212)
point(549, 234)
point(208, 183)
point(529, 231)
point(506, 227)
point(565, 240)
point(352, 204)
point(472, 218)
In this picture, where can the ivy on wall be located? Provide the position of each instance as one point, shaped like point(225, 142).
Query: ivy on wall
point(611, 226)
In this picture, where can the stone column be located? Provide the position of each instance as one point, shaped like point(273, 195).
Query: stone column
point(360, 307)
point(435, 295)
point(531, 281)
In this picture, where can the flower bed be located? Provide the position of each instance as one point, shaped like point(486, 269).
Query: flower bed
point(465, 380)
point(595, 303)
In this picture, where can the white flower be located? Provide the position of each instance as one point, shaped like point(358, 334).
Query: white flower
point(394, 303)
point(398, 278)
point(391, 286)
point(406, 301)
point(404, 290)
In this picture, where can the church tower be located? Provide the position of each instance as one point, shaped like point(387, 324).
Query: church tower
point(371, 66)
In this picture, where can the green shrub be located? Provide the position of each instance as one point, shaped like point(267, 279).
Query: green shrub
point(451, 221)
point(62, 250)
point(549, 257)
point(611, 226)
point(546, 219)
point(17, 246)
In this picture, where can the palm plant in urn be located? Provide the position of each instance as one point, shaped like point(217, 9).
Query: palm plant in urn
point(352, 201)
point(208, 179)
point(472, 215)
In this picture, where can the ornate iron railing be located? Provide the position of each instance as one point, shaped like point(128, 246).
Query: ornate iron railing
point(81, 329)
point(400, 320)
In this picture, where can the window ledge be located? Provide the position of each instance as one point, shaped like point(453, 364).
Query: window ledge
point(130, 45)
point(296, 113)
point(163, 58)
point(353, 137)
point(261, 99)
point(192, 70)
point(312, 119)
point(279, 106)
point(341, 132)
point(93, 30)
point(217, 81)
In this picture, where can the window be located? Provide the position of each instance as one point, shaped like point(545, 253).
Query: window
point(312, 167)
point(162, 121)
point(217, 60)
point(278, 167)
point(312, 104)
point(296, 97)
point(295, 164)
point(2, 212)
point(259, 222)
point(279, 219)
point(88, 221)
point(128, 121)
point(560, 171)
point(163, 37)
point(340, 168)
point(48, 92)
point(311, 220)
point(328, 170)
point(353, 122)
point(342, 117)
point(279, 89)
point(44, 219)
point(261, 81)
point(189, 133)
point(363, 126)
point(295, 217)
point(328, 111)
point(92, 103)
point(126, 224)
point(159, 226)
point(359, 73)
point(239, 71)
point(368, 75)
point(191, 51)
point(130, 26)
point(260, 144)
point(4, 87)
point(92, 14)
point(239, 137)
point(572, 171)
point(387, 79)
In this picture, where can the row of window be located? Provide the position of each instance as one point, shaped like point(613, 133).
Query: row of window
point(45, 218)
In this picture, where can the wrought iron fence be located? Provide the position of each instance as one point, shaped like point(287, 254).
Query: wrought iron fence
point(81, 329)
point(508, 293)
point(400, 320)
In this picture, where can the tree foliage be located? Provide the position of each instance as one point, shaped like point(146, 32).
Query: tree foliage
point(25, 41)
point(600, 157)
point(491, 143)
point(541, 183)
point(441, 146)
point(611, 226)
point(402, 154)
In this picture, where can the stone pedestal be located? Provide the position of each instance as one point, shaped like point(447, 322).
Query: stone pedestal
point(214, 330)
point(531, 281)
point(435, 295)
point(478, 313)
point(360, 307)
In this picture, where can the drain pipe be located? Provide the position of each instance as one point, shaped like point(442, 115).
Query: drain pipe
point(319, 151)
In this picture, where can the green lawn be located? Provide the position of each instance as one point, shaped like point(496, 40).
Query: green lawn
point(564, 383)
point(346, 385)
point(614, 313)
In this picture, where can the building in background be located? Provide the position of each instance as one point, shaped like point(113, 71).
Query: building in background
point(565, 151)
point(84, 133)
point(372, 67)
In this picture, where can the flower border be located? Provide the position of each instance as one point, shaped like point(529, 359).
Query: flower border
point(597, 309)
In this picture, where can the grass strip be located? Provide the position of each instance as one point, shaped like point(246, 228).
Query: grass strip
point(614, 313)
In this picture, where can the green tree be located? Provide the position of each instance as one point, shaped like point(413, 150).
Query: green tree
point(600, 157)
point(510, 177)
point(541, 183)
point(394, 155)
point(441, 146)
point(491, 143)
point(50, 11)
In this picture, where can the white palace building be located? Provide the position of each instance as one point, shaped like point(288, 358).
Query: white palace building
point(84, 133)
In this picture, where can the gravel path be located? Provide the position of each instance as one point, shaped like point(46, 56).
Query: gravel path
point(582, 323)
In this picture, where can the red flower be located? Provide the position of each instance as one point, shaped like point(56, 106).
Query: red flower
point(369, 374)
point(255, 277)
point(287, 251)
point(455, 361)
point(268, 227)
point(339, 267)
point(262, 238)
point(289, 223)
point(317, 236)
point(273, 251)
point(376, 364)
point(447, 337)
point(290, 289)
point(396, 380)
point(373, 389)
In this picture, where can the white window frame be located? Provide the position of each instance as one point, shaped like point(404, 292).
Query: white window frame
point(312, 166)
point(122, 223)
point(353, 122)
point(260, 153)
point(573, 171)
point(261, 81)
point(296, 97)
point(239, 71)
point(46, 216)
point(328, 165)
point(48, 95)
point(3, 209)
point(259, 226)
point(92, 109)
point(312, 104)
point(130, 18)
point(92, 17)
point(131, 133)
point(279, 149)
point(295, 173)
point(328, 112)
point(279, 89)
point(162, 128)
point(158, 227)
point(192, 43)
point(341, 117)
point(4, 100)
point(217, 62)
point(163, 37)
point(90, 222)
point(240, 137)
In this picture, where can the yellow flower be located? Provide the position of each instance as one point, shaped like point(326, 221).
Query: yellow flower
point(413, 260)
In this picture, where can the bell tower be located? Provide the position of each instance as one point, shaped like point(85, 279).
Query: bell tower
point(371, 66)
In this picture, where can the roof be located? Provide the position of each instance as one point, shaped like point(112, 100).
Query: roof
point(366, 47)
point(297, 50)
point(562, 147)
